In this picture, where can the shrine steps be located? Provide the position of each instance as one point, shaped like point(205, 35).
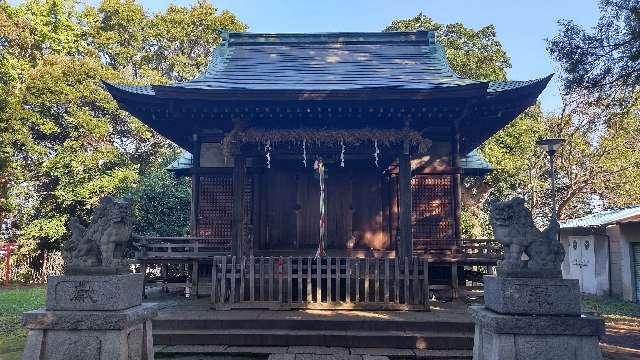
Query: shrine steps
point(217, 352)
point(398, 335)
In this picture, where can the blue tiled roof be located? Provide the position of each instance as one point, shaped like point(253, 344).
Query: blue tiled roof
point(602, 218)
point(327, 61)
point(136, 89)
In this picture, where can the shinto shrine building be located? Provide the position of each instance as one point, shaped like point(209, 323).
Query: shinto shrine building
point(343, 145)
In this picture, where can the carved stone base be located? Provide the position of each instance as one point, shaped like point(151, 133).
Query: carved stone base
point(509, 337)
point(94, 292)
point(532, 296)
point(80, 335)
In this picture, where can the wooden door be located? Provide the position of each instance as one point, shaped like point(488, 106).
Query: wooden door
point(370, 217)
point(355, 206)
point(215, 206)
point(635, 247)
point(280, 209)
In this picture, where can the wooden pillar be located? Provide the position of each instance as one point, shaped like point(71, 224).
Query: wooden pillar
point(143, 270)
point(404, 185)
point(237, 222)
point(195, 185)
point(456, 184)
point(455, 282)
point(256, 238)
point(195, 276)
point(301, 189)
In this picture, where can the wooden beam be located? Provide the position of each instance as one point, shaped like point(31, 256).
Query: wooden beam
point(237, 222)
point(456, 183)
point(406, 244)
point(195, 185)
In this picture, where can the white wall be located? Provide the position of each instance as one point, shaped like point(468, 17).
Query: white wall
point(630, 233)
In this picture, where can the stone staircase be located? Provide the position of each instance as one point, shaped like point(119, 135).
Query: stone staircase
point(329, 334)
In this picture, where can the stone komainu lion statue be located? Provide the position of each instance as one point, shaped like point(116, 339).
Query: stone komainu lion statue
point(513, 227)
point(100, 246)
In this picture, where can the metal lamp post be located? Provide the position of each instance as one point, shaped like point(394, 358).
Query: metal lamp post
point(551, 146)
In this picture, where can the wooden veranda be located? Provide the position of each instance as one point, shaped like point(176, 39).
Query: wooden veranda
point(349, 279)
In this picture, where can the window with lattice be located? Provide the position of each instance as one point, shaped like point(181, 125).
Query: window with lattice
point(432, 207)
point(215, 205)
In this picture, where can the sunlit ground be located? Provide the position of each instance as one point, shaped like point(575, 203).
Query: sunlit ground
point(622, 319)
point(354, 313)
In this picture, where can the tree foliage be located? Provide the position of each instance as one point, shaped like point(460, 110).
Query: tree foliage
point(601, 118)
point(63, 141)
point(602, 63)
point(160, 203)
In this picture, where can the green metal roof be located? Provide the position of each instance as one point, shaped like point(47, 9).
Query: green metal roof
point(603, 218)
point(475, 164)
point(184, 162)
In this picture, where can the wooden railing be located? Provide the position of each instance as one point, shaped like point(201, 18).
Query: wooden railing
point(459, 248)
point(205, 248)
point(181, 247)
point(322, 283)
point(489, 248)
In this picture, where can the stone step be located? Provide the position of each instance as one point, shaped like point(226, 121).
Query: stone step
point(312, 324)
point(435, 340)
point(215, 352)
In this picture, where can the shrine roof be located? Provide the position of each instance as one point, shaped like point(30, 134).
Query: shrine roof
point(330, 80)
point(326, 62)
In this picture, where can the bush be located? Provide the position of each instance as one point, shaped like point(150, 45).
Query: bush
point(161, 204)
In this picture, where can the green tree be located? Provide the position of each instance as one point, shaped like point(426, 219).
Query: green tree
point(179, 42)
point(161, 203)
point(64, 143)
point(600, 74)
point(602, 63)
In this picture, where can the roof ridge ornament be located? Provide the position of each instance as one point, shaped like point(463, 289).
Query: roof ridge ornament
point(431, 37)
point(219, 56)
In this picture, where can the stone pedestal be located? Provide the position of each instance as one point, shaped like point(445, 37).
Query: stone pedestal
point(532, 296)
point(527, 319)
point(91, 317)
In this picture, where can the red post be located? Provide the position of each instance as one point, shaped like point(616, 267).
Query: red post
point(7, 264)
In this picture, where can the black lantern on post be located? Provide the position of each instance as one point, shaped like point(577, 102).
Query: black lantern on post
point(551, 146)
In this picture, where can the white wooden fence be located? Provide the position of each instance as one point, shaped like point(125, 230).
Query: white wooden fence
point(320, 283)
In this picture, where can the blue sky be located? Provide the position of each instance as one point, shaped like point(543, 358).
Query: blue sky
point(522, 25)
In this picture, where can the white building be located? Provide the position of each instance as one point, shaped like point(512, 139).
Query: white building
point(603, 252)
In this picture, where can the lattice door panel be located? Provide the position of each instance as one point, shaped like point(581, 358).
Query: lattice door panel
point(432, 207)
point(215, 205)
